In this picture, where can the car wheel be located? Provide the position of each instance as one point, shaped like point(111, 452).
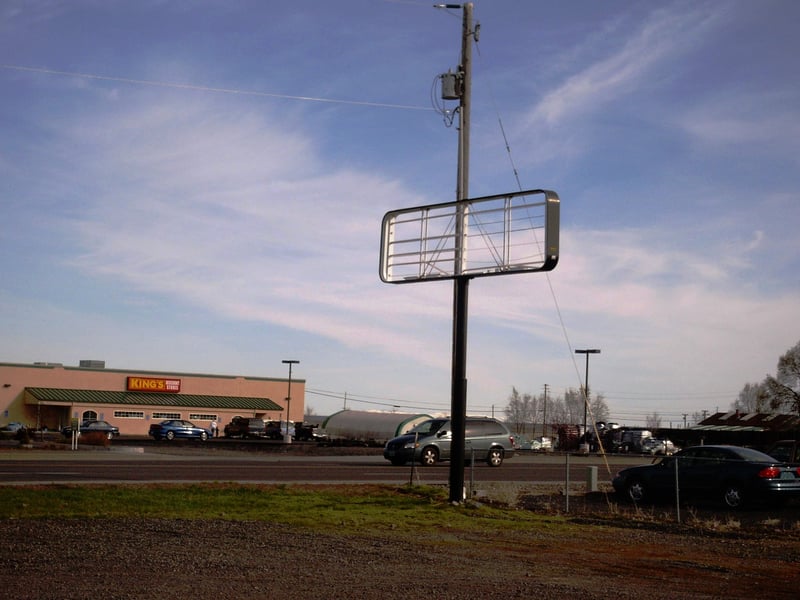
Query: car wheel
point(636, 491)
point(733, 495)
point(170, 435)
point(429, 456)
point(203, 436)
point(495, 457)
point(110, 435)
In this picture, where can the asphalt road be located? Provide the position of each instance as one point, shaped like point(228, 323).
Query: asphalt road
point(186, 463)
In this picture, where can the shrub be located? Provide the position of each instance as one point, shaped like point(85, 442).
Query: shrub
point(94, 438)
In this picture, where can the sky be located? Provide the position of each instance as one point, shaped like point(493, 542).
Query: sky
point(198, 187)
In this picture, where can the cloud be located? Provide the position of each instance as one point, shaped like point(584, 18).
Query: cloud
point(767, 120)
point(238, 215)
point(668, 33)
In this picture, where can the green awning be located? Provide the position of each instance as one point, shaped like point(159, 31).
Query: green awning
point(35, 395)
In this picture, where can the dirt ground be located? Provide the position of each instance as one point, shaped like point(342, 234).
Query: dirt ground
point(612, 551)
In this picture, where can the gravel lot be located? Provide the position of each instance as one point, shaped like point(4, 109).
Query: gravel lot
point(607, 554)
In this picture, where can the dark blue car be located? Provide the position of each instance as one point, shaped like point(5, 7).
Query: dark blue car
point(93, 426)
point(731, 475)
point(177, 428)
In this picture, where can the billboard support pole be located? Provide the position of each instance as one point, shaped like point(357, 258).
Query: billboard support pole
point(458, 400)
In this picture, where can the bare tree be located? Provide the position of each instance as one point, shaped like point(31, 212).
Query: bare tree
point(556, 410)
point(653, 421)
point(599, 408)
point(521, 411)
point(524, 411)
point(754, 398)
point(784, 388)
point(697, 417)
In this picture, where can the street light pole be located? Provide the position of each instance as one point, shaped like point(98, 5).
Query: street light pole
point(587, 352)
point(287, 437)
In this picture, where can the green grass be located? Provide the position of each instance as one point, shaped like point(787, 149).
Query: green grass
point(350, 509)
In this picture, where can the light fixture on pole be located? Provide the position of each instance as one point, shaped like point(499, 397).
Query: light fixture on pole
point(587, 352)
point(287, 437)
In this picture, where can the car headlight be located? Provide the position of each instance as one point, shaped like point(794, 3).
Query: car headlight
point(410, 445)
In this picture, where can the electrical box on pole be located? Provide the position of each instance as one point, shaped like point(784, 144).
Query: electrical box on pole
point(451, 86)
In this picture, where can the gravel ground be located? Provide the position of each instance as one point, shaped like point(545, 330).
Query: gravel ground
point(606, 555)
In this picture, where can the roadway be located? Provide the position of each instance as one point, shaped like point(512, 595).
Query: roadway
point(132, 463)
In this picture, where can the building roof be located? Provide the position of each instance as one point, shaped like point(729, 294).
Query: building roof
point(34, 395)
point(740, 421)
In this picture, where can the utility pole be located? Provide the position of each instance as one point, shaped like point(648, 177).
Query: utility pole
point(586, 352)
point(544, 411)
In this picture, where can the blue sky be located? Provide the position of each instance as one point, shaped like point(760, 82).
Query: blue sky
point(199, 187)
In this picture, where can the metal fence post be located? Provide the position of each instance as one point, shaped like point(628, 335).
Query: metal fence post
point(677, 491)
point(566, 490)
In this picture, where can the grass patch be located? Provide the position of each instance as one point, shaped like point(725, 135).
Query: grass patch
point(348, 509)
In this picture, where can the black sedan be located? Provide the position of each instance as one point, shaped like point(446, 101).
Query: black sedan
point(177, 428)
point(93, 426)
point(731, 475)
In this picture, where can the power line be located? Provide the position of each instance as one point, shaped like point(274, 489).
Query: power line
point(216, 90)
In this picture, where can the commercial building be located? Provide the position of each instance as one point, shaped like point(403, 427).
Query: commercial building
point(51, 395)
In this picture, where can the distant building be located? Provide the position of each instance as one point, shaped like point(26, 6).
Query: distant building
point(51, 395)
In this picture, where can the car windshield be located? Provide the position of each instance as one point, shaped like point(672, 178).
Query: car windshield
point(428, 427)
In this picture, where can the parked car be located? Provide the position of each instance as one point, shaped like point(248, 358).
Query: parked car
point(309, 433)
point(93, 426)
point(537, 444)
point(628, 440)
point(731, 475)
point(656, 446)
point(13, 427)
point(246, 427)
point(276, 430)
point(177, 428)
point(542, 444)
point(429, 442)
point(787, 451)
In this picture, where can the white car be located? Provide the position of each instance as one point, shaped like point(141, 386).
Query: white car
point(656, 446)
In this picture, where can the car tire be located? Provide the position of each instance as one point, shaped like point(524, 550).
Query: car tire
point(203, 436)
point(170, 435)
point(110, 435)
point(429, 456)
point(495, 457)
point(733, 496)
point(636, 491)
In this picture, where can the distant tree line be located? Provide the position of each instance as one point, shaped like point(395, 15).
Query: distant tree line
point(528, 414)
point(776, 393)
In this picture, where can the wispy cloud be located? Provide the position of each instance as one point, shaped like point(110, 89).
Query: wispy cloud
point(668, 33)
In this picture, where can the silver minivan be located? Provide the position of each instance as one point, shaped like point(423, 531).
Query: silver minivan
point(429, 442)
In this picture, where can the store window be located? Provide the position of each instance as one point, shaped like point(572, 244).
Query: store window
point(202, 417)
point(166, 415)
point(129, 414)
